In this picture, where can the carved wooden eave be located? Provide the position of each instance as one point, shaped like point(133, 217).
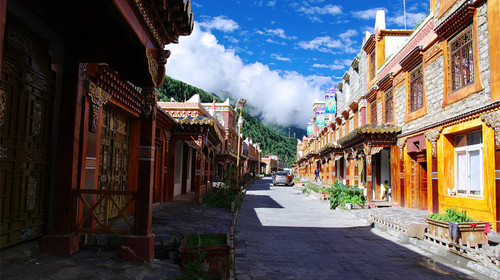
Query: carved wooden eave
point(353, 106)
point(393, 32)
point(226, 156)
point(312, 154)
point(385, 136)
point(329, 148)
point(456, 21)
point(372, 93)
point(370, 44)
point(355, 63)
point(386, 82)
point(204, 125)
point(346, 77)
point(338, 119)
point(164, 20)
point(412, 59)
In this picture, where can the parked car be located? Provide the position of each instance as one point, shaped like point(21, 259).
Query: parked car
point(282, 177)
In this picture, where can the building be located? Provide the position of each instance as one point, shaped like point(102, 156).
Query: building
point(70, 164)
point(419, 108)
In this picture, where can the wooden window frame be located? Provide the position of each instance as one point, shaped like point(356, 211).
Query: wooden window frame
point(467, 149)
point(412, 115)
point(416, 79)
point(451, 96)
point(389, 105)
point(373, 112)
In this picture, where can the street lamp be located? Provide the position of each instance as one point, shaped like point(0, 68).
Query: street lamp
point(239, 105)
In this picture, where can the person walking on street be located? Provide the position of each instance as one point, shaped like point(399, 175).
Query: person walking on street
point(316, 174)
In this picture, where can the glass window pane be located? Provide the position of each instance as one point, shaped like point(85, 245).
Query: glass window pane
point(475, 172)
point(461, 170)
point(474, 138)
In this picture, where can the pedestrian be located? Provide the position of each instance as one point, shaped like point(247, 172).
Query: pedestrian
point(316, 174)
point(386, 191)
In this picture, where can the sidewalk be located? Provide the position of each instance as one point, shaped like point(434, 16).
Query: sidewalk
point(170, 222)
point(404, 223)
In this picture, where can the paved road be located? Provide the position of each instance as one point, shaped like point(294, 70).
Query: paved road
point(284, 234)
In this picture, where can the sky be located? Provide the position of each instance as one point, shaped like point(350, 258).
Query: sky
point(279, 55)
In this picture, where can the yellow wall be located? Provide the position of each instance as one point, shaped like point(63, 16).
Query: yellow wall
point(479, 208)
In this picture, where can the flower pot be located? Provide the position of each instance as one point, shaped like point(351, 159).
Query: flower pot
point(466, 234)
point(216, 256)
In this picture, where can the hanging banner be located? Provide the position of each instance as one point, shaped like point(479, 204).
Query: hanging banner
point(310, 128)
point(330, 106)
point(320, 117)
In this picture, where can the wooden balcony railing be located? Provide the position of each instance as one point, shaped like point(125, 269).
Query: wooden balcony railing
point(93, 211)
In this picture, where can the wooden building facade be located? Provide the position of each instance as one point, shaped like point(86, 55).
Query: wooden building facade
point(419, 108)
point(79, 138)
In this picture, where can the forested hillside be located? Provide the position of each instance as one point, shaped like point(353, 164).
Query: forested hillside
point(273, 143)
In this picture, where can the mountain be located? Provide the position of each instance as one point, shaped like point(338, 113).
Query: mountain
point(273, 139)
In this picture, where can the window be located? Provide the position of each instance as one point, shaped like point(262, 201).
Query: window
point(373, 112)
point(416, 89)
point(389, 107)
point(462, 59)
point(371, 70)
point(468, 163)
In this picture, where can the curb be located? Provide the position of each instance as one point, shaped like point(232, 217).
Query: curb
point(441, 253)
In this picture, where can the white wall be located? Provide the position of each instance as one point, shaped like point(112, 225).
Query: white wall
point(178, 168)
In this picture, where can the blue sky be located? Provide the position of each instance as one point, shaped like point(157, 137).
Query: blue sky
point(279, 55)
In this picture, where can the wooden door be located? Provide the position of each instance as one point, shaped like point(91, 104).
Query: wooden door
point(27, 92)
point(422, 199)
point(113, 158)
point(418, 183)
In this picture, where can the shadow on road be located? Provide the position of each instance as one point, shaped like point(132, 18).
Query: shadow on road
point(279, 252)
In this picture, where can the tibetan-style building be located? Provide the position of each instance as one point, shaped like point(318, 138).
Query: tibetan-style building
point(195, 146)
point(420, 109)
point(79, 142)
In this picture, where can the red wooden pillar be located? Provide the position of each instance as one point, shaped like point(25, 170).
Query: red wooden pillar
point(334, 168)
point(402, 180)
point(141, 246)
point(369, 179)
point(356, 171)
point(348, 171)
point(60, 239)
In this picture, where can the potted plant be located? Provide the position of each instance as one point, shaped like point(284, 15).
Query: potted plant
point(468, 230)
point(208, 254)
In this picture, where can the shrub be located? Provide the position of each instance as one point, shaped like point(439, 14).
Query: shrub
point(221, 199)
point(452, 215)
point(340, 192)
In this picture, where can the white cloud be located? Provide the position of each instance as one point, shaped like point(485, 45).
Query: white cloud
point(220, 23)
point(368, 14)
point(338, 64)
point(277, 32)
point(411, 19)
point(280, 58)
point(281, 97)
point(325, 10)
point(313, 12)
point(328, 44)
point(271, 3)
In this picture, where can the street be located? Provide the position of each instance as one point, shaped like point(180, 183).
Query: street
point(284, 234)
